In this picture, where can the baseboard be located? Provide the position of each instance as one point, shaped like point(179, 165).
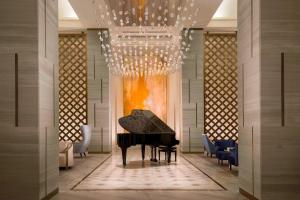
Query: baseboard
point(247, 195)
point(51, 194)
point(192, 152)
point(99, 152)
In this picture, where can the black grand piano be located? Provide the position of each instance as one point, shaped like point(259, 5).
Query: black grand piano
point(145, 128)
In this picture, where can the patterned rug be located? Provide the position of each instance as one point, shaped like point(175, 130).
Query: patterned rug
point(138, 175)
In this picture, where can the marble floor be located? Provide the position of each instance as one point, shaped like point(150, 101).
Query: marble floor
point(147, 175)
point(105, 176)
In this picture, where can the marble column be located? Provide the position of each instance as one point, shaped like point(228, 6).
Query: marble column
point(269, 52)
point(98, 94)
point(28, 110)
point(192, 96)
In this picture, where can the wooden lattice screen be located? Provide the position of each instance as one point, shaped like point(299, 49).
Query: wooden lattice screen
point(72, 85)
point(220, 86)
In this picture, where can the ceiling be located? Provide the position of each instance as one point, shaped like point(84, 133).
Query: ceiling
point(225, 18)
point(65, 11)
point(83, 14)
point(227, 10)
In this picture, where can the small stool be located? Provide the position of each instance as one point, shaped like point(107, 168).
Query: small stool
point(165, 149)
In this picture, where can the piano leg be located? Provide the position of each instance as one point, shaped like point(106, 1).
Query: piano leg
point(153, 154)
point(151, 159)
point(155, 159)
point(143, 151)
point(124, 152)
point(169, 154)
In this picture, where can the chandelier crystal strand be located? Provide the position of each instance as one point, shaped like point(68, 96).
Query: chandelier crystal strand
point(147, 39)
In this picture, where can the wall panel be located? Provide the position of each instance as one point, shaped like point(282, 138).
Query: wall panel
point(72, 86)
point(192, 96)
point(29, 164)
point(220, 86)
point(98, 94)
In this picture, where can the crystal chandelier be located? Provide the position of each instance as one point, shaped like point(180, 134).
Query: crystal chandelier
point(146, 37)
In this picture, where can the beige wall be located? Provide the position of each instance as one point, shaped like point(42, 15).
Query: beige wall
point(98, 95)
point(269, 138)
point(249, 96)
point(280, 128)
point(28, 137)
point(192, 96)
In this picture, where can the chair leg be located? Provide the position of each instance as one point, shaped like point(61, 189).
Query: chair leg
point(80, 154)
point(84, 154)
point(175, 156)
point(159, 155)
point(230, 167)
point(165, 155)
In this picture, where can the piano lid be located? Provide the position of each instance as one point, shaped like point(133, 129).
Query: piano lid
point(144, 121)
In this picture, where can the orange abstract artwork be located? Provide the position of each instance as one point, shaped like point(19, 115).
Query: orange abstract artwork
point(149, 93)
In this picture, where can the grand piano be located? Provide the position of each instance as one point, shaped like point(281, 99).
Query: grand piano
point(145, 128)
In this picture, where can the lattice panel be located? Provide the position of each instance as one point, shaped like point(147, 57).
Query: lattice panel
point(72, 86)
point(220, 86)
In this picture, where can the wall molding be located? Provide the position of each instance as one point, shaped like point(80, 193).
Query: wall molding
point(16, 89)
point(51, 194)
point(246, 194)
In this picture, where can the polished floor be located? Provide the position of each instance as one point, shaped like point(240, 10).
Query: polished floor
point(147, 175)
point(152, 181)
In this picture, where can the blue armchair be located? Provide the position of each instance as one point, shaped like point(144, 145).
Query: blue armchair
point(209, 147)
point(82, 146)
point(221, 146)
point(233, 157)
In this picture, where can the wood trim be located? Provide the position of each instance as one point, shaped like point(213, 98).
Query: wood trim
point(189, 139)
point(195, 29)
point(46, 160)
point(196, 66)
point(51, 194)
point(45, 21)
point(252, 156)
point(101, 86)
point(243, 93)
point(72, 34)
point(282, 90)
point(246, 194)
point(220, 33)
point(95, 115)
point(94, 67)
point(189, 91)
point(55, 96)
point(16, 89)
point(196, 114)
point(251, 28)
point(97, 29)
point(101, 139)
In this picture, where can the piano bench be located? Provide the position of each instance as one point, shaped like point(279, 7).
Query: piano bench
point(165, 150)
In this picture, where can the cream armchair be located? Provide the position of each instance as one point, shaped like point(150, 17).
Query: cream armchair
point(66, 158)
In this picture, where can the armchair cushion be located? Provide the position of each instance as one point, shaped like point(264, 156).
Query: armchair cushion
point(221, 145)
point(208, 145)
point(66, 158)
point(82, 146)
